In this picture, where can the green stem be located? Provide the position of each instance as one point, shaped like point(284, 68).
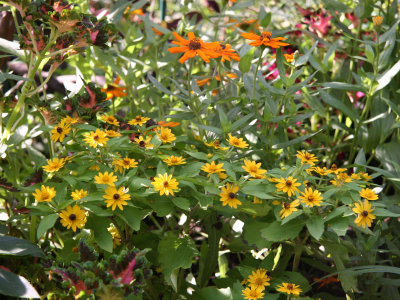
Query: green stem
point(255, 73)
point(32, 229)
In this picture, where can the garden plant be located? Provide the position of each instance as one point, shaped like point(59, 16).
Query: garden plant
point(200, 149)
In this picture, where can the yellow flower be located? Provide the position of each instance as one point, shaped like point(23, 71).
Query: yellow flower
point(60, 131)
point(54, 165)
point(336, 170)
point(105, 178)
point(70, 120)
point(237, 142)
point(138, 121)
point(368, 194)
point(355, 176)
point(165, 135)
point(365, 176)
point(252, 294)
point(217, 145)
point(377, 20)
point(222, 175)
point(288, 208)
point(45, 194)
point(116, 197)
point(288, 186)
point(212, 168)
point(306, 158)
point(124, 163)
point(78, 194)
point(112, 133)
point(144, 143)
point(110, 120)
point(256, 201)
point(289, 288)
point(321, 171)
point(259, 279)
point(228, 196)
point(340, 179)
point(253, 169)
point(94, 167)
point(115, 235)
point(95, 138)
point(174, 160)
point(165, 184)
point(311, 197)
point(365, 217)
point(73, 217)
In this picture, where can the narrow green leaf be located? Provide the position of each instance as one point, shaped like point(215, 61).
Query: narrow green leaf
point(304, 58)
point(280, 65)
point(387, 77)
point(330, 100)
point(295, 141)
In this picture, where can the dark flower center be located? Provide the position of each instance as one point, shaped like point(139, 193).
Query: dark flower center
point(265, 35)
point(59, 130)
point(286, 205)
point(138, 119)
point(116, 196)
point(223, 46)
point(232, 195)
point(165, 183)
point(194, 44)
point(217, 143)
point(72, 217)
point(96, 137)
point(364, 213)
point(288, 183)
point(290, 286)
point(142, 144)
point(310, 198)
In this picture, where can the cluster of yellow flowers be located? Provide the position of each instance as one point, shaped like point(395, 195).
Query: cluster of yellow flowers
point(261, 278)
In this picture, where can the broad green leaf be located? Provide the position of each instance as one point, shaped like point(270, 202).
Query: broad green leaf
point(381, 212)
point(158, 84)
point(315, 226)
point(16, 286)
point(386, 78)
point(182, 203)
point(132, 216)
point(330, 100)
point(10, 245)
point(45, 224)
point(275, 232)
point(242, 122)
point(245, 61)
point(99, 227)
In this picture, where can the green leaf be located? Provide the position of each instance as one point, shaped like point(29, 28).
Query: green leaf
point(386, 78)
point(158, 84)
point(343, 86)
point(197, 155)
point(315, 226)
point(304, 58)
point(245, 61)
point(330, 100)
point(131, 216)
point(99, 227)
point(280, 65)
point(238, 125)
point(295, 141)
point(5, 76)
point(381, 212)
point(223, 118)
point(92, 208)
point(10, 245)
point(182, 203)
point(46, 223)
point(275, 232)
point(176, 253)
point(16, 286)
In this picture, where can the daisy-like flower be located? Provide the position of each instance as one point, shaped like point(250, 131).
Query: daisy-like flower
point(115, 235)
point(144, 143)
point(368, 194)
point(73, 217)
point(70, 120)
point(116, 197)
point(213, 168)
point(336, 170)
point(94, 167)
point(53, 165)
point(264, 39)
point(306, 158)
point(252, 294)
point(165, 135)
point(124, 163)
point(229, 196)
point(138, 121)
point(59, 131)
point(194, 46)
point(237, 142)
point(45, 194)
point(377, 20)
point(259, 279)
point(114, 91)
point(168, 124)
point(256, 200)
point(222, 176)
point(288, 185)
point(174, 160)
point(254, 169)
point(341, 179)
point(95, 138)
point(110, 120)
point(289, 288)
point(165, 184)
point(113, 133)
point(217, 145)
point(321, 171)
point(105, 178)
point(311, 198)
point(365, 176)
point(288, 208)
point(226, 53)
point(355, 176)
point(365, 217)
point(79, 194)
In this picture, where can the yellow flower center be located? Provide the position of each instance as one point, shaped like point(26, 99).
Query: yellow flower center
point(259, 281)
point(174, 160)
point(194, 44)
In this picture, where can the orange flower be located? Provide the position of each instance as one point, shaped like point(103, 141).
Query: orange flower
point(114, 91)
point(264, 39)
point(194, 46)
point(168, 124)
point(226, 52)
